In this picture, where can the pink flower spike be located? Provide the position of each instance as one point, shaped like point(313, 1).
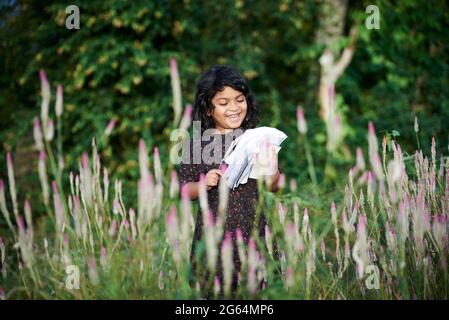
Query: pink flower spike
point(54, 186)
point(331, 91)
point(142, 147)
point(293, 185)
point(216, 285)
point(337, 120)
point(20, 224)
point(171, 217)
point(161, 280)
point(173, 64)
point(251, 243)
point(210, 219)
point(223, 168)
point(157, 166)
point(281, 181)
point(27, 205)
point(228, 238)
point(85, 160)
point(289, 229)
point(174, 176)
point(299, 113)
point(239, 235)
point(186, 118)
point(42, 155)
point(103, 252)
point(50, 130)
point(188, 110)
point(66, 240)
point(113, 228)
point(184, 192)
point(36, 123)
point(105, 176)
point(360, 159)
point(362, 223)
point(110, 127)
point(371, 130)
point(300, 120)
point(43, 76)
point(76, 203)
point(59, 99)
point(8, 158)
point(91, 263)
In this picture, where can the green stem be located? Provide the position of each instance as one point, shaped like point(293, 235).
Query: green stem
point(310, 164)
point(59, 143)
point(417, 140)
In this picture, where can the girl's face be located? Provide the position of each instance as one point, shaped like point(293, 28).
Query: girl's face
point(230, 109)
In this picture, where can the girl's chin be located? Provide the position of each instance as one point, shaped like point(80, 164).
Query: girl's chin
point(234, 124)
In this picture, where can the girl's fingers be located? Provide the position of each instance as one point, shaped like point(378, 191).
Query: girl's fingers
point(213, 177)
point(213, 181)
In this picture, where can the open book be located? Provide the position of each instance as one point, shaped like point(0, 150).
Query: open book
point(249, 156)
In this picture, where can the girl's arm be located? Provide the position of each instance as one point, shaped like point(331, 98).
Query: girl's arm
point(210, 180)
point(192, 189)
point(274, 182)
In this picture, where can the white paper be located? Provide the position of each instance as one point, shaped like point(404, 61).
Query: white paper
point(240, 157)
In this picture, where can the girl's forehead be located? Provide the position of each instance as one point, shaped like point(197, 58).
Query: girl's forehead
point(227, 92)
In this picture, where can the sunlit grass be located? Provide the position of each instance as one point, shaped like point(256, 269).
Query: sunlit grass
point(386, 238)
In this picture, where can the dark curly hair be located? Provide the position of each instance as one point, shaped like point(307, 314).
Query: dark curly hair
point(213, 81)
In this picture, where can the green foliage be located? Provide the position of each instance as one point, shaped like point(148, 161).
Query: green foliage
point(116, 66)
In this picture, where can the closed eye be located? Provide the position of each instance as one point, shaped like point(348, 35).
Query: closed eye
point(240, 100)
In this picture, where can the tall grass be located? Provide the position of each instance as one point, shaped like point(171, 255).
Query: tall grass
point(387, 238)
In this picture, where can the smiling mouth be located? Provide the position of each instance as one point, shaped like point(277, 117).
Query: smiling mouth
point(234, 116)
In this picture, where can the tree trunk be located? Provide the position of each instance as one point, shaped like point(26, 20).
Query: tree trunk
point(332, 22)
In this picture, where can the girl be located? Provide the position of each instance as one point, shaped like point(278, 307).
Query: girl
point(223, 103)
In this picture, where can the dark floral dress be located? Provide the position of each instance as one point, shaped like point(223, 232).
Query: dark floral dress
point(241, 211)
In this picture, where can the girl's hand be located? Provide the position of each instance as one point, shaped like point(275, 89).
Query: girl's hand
point(212, 178)
point(267, 161)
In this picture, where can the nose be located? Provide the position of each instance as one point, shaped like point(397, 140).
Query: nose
point(235, 106)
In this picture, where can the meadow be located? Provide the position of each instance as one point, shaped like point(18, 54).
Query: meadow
point(384, 237)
